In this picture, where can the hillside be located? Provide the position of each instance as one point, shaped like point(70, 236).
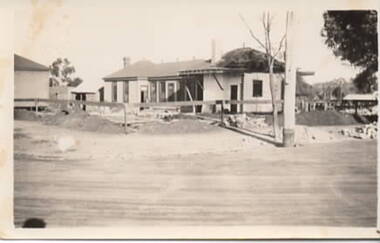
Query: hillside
point(347, 87)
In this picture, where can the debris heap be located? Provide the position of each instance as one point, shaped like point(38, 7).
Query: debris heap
point(369, 131)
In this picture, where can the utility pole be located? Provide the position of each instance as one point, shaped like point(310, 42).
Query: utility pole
point(290, 84)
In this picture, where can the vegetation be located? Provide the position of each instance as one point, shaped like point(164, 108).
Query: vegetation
point(61, 72)
point(336, 88)
point(352, 36)
point(268, 62)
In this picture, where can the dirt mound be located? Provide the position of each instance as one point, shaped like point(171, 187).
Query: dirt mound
point(325, 118)
point(25, 115)
point(83, 121)
point(177, 127)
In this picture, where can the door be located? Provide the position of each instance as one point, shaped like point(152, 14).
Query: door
point(171, 92)
point(234, 96)
point(143, 93)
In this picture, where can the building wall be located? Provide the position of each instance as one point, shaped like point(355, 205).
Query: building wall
point(120, 91)
point(107, 91)
point(134, 92)
point(248, 91)
point(60, 93)
point(89, 96)
point(212, 91)
point(30, 84)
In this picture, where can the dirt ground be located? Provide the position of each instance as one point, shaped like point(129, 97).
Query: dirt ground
point(75, 178)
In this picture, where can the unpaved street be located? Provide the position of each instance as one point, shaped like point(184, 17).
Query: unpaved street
point(227, 179)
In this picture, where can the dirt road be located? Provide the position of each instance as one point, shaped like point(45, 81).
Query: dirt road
point(319, 184)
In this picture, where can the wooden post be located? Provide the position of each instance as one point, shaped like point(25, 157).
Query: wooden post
point(36, 104)
point(222, 112)
point(290, 85)
point(356, 107)
point(191, 98)
point(242, 93)
point(125, 118)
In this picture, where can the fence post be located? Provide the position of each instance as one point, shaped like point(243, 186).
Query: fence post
point(36, 104)
point(222, 112)
point(125, 118)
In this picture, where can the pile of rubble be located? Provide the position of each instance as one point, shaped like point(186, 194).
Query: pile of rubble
point(244, 121)
point(367, 132)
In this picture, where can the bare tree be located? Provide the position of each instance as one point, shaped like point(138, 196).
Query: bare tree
point(271, 54)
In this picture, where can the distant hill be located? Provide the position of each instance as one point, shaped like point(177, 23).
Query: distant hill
point(329, 88)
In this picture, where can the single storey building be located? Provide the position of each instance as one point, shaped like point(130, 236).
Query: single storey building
point(199, 80)
point(31, 80)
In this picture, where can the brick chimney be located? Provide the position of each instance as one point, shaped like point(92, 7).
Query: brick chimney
point(126, 61)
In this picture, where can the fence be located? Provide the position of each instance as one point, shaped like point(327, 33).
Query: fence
point(306, 106)
point(126, 106)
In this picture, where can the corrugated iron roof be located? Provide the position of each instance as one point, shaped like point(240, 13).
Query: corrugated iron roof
point(24, 64)
point(368, 97)
point(150, 69)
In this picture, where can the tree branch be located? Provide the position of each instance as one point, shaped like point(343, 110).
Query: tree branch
point(280, 46)
point(251, 32)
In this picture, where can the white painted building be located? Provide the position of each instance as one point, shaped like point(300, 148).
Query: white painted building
point(31, 80)
point(201, 80)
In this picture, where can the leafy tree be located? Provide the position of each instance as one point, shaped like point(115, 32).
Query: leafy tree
point(352, 36)
point(337, 92)
point(61, 72)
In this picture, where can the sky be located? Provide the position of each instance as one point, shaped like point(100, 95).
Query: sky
point(96, 35)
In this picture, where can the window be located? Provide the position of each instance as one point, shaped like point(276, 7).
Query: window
point(114, 91)
point(126, 91)
point(162, 93)
point(257, 88)
point(153, 91)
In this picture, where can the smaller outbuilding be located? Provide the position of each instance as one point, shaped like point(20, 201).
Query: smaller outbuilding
point(360, 101)
point(84, 93)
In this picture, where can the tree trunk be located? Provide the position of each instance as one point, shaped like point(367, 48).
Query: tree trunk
point(272, 83)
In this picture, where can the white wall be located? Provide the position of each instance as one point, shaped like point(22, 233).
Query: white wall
point(60, 92)
point(120, 91)
point(212, 91)
point(134, 93)
point(248, 91)
point(108, 91)
point(31, 84)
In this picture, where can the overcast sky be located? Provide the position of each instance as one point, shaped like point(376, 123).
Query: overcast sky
point(96, 35)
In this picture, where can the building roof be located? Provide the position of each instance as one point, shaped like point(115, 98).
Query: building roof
point(24, 64)
point(362, 97)
point(149, 69)
point(85, 88)
point(250, 59)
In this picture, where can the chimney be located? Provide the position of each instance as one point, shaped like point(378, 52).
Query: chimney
point(213, 51)
point(126, 61)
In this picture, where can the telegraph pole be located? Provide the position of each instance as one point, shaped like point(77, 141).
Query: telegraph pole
point(290, 84)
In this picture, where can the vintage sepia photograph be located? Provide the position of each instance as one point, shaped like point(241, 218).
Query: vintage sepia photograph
point(195, 114)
